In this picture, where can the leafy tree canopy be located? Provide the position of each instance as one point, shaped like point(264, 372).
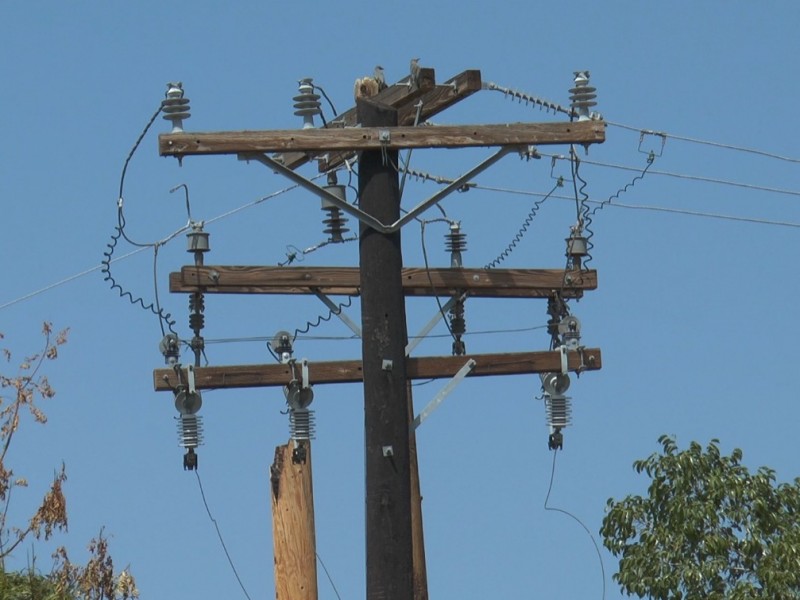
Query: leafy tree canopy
point(707, 528)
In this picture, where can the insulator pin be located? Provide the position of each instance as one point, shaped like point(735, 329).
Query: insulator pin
point(175, 107)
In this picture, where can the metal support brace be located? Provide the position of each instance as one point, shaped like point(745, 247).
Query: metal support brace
point(443, 393)
point(432, 323)
point(337, 310)
point(359, 214)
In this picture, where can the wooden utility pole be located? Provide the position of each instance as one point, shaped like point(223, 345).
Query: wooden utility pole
point(293, 533)
point(378, 128)
point(383, 321)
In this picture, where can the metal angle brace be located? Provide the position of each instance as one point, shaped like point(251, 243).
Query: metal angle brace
point(443, 393)
point(359, 214)
point(432, 323)
point(337, 311)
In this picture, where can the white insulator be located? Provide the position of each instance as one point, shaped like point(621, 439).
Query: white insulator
point(190, 431)
point(582, 95)
point(558, 410)
point(175, 107)
point(307, 103)
point(302, 424)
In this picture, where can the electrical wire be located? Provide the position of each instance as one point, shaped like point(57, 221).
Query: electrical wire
point(219, 535)
point(441, 180)
point(344, 338)
point(749, 186)
point(430, 279)
point(333, 108)
point(570, 515)
point(139, 249)
point(706, 142)
point(523, 228)
point(326, 317)
point(330, 579)
point(556, 108)
point(541, 103)
point(154, 307)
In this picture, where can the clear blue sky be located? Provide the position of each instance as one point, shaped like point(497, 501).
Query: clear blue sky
point(696, 316)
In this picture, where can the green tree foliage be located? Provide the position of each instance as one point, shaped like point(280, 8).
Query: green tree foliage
point(96, 580)
point(708, 528)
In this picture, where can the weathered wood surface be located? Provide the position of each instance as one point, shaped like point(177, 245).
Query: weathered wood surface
point(350, 371)
point(293, 533)
point(480, 283)
point(377, 138)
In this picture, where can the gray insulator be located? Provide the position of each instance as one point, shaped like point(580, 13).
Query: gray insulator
point(175, 107)
point(190, 431)
point(301, 424)
point(335, 225)
point(558, 410)
point(455, 243)
point(582, 95)
point(306, 103)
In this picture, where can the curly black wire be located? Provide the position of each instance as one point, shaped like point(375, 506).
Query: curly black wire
point(651, 158)
point(587, 214)
point(326, 317)
point(523, 228)
point(164, 317)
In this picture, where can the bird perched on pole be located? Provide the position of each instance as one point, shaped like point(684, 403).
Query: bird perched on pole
point(380, 78)
point(413, 80)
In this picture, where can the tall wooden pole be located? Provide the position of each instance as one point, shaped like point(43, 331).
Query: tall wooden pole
point(388, 482)
point(417, 529)
point(294, 541)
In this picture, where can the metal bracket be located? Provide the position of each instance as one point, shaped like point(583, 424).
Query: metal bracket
point(432, 323)
point(443, 393)
point(190, 378)
point(564, 361)
point(359, 214)
point(304, 373)
point(337, 311)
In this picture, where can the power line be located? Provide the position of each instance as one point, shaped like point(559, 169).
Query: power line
point(705, 142)
point(684, 176)
point(677, 211)
point(488, 188)
point(219, 535)
point(142, 248)
point(570, 515)
point(66, 280)
point(335, 338)
point(555, 107)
